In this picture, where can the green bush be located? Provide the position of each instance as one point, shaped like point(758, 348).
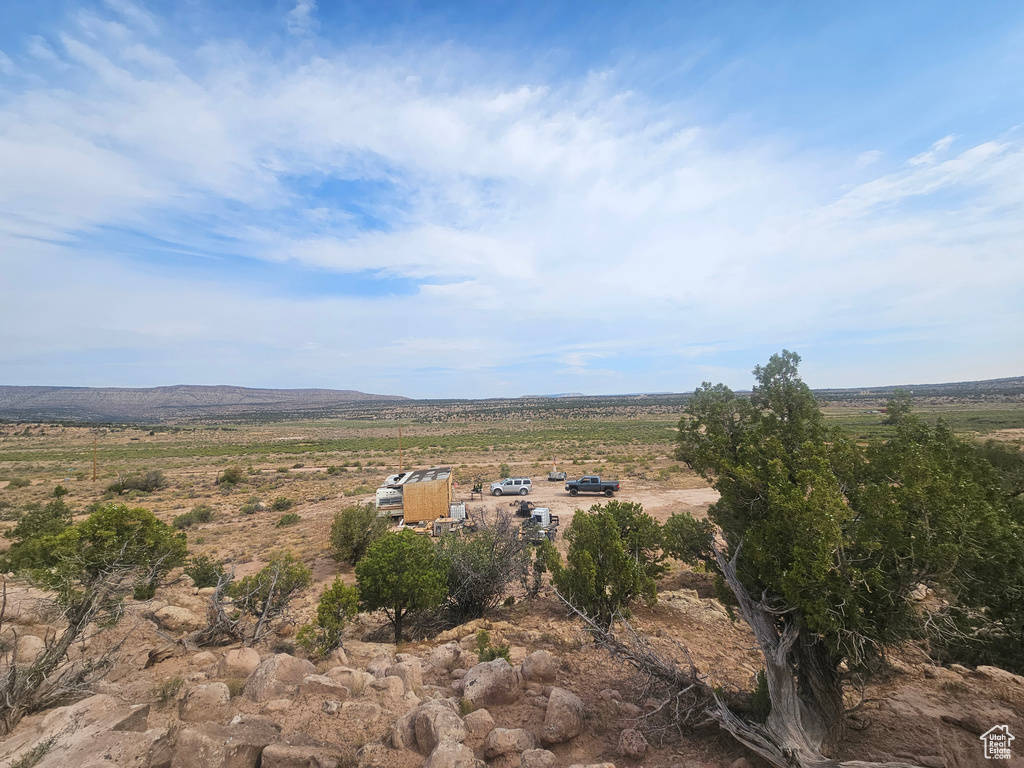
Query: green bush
point(183, 521)
point(265, 595)
point(204, 571)
point(338, 603)
point(283, 470)
point(488, 652)
point(19, 482)
point(401, 572)
point(231, 476)
point(332, 470)
point(290, 519)
point(282, 504)
point(252, 506)
point(143, 482)
point(202, 513)
point(504, 470)
point(60, 491)
point(354, 529)
point(33, 536)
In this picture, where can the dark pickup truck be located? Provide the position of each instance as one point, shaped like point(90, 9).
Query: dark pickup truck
point(592, 484)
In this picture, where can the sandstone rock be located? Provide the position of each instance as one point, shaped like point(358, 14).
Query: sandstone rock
point(479, 723)
point(501, 741)
point(492, 683)
point(632, 744)
point(626, 709)
point(452, 755)
point(135, 720)
point(337, 658)
point(1000, 675)
point(392, 688)
point(331, 707)
point(610, 694)
point(403, 731)
point(379, 665)
point(174, 618)
point(540, 667)
point(459, 673)
point(564, 717)
point(932, 761)
point(202, 660)
point(409, 672)
point(279, 705)
point(592, 765)
point(538, 758)
point(361, 654)
point(354, 679)
point(444, 658)
point(205, 703)
point(289, 756)
point(361, 713)
point(276, 677)
point(239, 663)
point(322, 685)
point(435, 722)
point(28, 649)
point(218, 746)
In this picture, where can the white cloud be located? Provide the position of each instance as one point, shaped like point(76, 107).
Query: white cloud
point(578, 221)
point(300, 18)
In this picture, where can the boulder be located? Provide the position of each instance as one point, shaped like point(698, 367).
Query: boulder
point(452, 755)
point(392, 687)
point(444, 658)
point(337, 658)
point(277, 677)
point(361, 654)
point(202, 660)
point(239, 663)
point(278, 705)
point(354, 679)
point(501, 741)
point(435, 722)
point(238, 745)
point(409, 672)
point(479, 723)
point(174, 618)
point(492, 683)
point(538, 758)
point(379, 665)
point(205, 703)
point(28, 649)
point(539, 667)
point(564, 717)
point(361, 713)
point(999, 675)
point(294, 756)
point(322, 685)
point(632, 744)
point(403, 731)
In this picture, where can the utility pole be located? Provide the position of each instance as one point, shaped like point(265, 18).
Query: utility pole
point(399, 447)
point(94, 457)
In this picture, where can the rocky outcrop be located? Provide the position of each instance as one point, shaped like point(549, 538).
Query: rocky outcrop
point(174, 618)
point(203, 703)
point(491, 684)
point(540, 667)
point(452, 755)
point(564, 717)
point(239, 663)
point(238, 745)
point(276, 677)
point(435, 722)
point(502, 741)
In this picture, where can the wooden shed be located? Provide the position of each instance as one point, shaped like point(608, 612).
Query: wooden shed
point(426, 494)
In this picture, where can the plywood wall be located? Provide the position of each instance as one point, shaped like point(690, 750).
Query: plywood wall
point(426, 501)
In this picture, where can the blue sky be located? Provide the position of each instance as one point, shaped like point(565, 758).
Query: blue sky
point(490, 199)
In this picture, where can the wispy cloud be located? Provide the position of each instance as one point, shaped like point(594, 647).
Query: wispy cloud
point(575, 219)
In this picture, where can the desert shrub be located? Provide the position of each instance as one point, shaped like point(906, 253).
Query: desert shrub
point(282, 504)
point(19, 482)
point(354, 529)
point(143, 482)
point(33, 535)
point(332, 470)
point(235, 686)
point(490, 652)
point(542, 558)
point(264, 596)
point(59, 491)
point(202, 513)
point(601, 575)
point(299, 465)
point(165, 692)
point(504, 470)
point(481, 567)
point(689, 539)
point(231, 476)
point(338, 603)
point(32, 758)
point(204, 571)
point(290, 519)
point(185, 520)
point(283, 470)
point(401, 572)
point(252, 506)
point(143, 590)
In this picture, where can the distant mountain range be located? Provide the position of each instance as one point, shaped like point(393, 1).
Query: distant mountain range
point(170, 403)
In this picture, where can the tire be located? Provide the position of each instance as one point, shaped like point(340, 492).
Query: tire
point(609, 492)
point(496, 491)
point(523, 491)
point(573, 492)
